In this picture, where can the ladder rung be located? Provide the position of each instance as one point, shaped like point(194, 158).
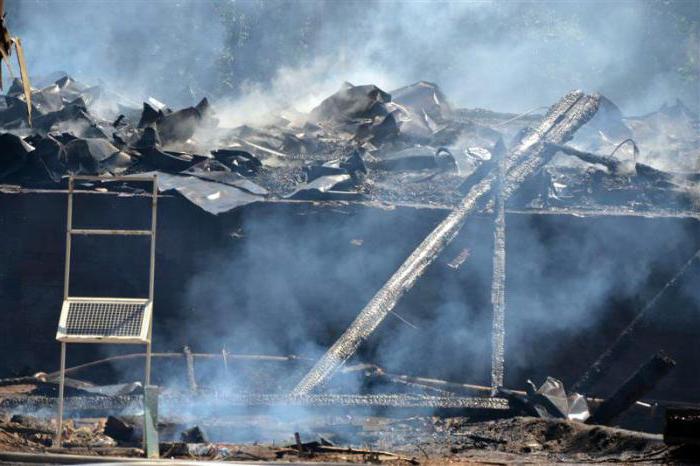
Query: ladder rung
point(113, 178)
point(83, 231)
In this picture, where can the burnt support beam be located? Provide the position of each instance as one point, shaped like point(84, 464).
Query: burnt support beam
point(558, 126)
point(498, 282)
point(102, 405)
point(641, 383)
point(224, 357)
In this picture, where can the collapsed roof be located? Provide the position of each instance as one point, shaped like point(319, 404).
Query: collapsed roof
point(360, 144)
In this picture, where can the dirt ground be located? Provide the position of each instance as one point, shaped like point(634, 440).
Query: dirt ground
point(415, 440)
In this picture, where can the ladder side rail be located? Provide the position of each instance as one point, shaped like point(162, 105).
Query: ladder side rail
point(151, 275)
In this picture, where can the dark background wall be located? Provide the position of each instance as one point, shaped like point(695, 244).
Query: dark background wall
point(288, 278)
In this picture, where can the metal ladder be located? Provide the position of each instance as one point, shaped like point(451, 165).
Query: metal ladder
point(105, 319)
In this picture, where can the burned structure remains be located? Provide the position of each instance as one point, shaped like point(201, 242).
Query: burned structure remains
point(429, 203)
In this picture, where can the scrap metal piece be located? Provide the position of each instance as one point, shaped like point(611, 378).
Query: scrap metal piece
point(558, 126)
point(549, 401)
point(212, 197)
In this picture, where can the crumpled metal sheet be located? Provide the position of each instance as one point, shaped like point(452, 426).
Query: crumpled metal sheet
point(215, 198)
point(573, 406)
point(549, 401)
point(225, 177)
point(320, 185)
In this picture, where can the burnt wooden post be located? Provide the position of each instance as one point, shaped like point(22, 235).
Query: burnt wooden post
point(498, 282)
point(224, 356)
point(641, 383)
point(189, 359)
point(150, 422)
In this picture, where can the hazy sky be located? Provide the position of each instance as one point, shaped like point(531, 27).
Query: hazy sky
point(501, 55)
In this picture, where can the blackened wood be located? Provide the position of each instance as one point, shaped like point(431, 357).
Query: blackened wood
point(641, 383)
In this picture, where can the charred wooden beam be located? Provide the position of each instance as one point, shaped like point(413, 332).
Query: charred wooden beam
point(99, 404)
point(640, 169)
point(498, 281)
point(126, 357)
point(641, 383)
point(609, 162)
point(558, 126)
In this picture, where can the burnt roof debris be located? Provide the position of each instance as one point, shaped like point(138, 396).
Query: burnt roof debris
point(239, 161)
point(409, 146)
point(426, 98)
point(14, 153)
point(213, 197)
point(95, 156)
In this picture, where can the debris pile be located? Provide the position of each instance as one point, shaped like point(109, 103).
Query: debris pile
point(379, 440)
point(361, 143)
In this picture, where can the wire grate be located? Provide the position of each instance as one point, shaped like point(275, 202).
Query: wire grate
point(104, 319)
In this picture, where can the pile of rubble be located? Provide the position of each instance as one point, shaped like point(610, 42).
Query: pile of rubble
point(362, 439)
point(361, 143)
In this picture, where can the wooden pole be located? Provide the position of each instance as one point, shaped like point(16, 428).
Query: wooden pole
point(638, 385)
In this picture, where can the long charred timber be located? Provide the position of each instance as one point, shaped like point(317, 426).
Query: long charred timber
point(498, 281)
point(176, 402)
point(641, 383)
point(558, 126)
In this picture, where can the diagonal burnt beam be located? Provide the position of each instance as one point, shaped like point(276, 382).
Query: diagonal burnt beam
point(558, 126)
